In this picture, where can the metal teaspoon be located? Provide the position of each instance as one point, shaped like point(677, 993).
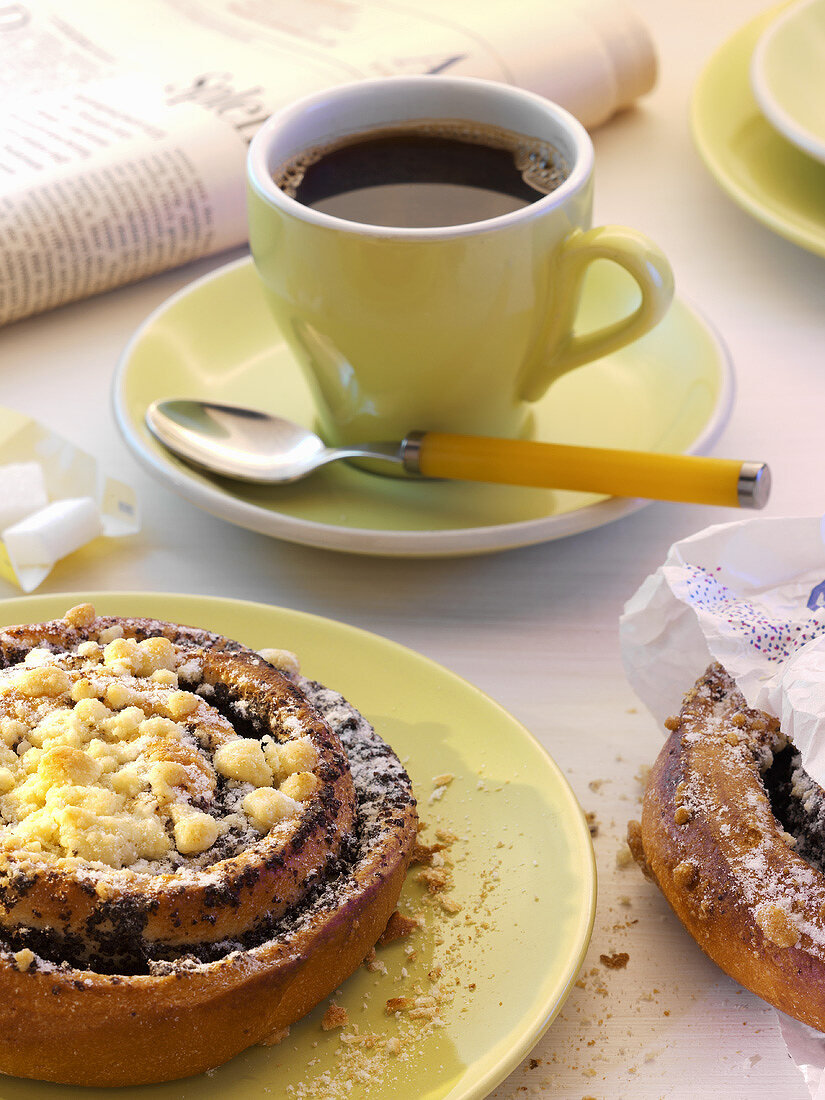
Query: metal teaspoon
point(250, 445)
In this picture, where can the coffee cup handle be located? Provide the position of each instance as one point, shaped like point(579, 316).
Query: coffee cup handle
point(563, 348)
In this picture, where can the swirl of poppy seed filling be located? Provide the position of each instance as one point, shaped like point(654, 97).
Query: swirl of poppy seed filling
point(796, 800)
point(160, 787)
point(383, 795)
point(798, 803)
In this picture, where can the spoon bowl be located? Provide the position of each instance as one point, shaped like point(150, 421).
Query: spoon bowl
point(247, 444)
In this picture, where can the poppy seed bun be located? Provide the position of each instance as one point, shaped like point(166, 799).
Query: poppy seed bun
point(258, 936)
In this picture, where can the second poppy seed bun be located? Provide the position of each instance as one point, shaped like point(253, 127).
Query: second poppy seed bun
point(722, 829)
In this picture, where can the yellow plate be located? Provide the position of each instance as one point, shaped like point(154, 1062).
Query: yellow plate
point(524, 870)
point(762, 172)
point(670, 391)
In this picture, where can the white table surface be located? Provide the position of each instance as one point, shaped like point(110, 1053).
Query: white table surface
point(536, 628)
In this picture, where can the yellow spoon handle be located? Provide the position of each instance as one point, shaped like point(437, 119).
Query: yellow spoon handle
point(687, 478)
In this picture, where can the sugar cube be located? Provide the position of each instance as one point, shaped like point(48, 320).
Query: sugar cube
point(22, 491)
point(53, 532)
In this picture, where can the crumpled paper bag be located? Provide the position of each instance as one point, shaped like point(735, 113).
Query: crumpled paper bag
point(750, 595)
point(69, 472)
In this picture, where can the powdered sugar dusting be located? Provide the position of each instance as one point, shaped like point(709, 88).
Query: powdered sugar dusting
point(725, 738)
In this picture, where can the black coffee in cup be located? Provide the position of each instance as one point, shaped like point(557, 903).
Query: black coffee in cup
point(424, 174)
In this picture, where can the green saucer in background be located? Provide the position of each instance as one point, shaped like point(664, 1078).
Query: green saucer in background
point(786, 75)
point(762, 172)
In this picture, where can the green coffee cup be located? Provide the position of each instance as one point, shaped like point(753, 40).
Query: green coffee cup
point(455, 328)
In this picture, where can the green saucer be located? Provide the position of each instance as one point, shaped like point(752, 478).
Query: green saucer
point(671, 391)
point(760, 170)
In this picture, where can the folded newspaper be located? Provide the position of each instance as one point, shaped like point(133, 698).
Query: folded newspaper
point(124, 131)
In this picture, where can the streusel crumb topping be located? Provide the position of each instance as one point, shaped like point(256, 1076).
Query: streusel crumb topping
point(105, 758)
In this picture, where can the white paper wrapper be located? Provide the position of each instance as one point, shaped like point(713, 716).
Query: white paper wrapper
point(750, 595)
point(70, 474)
point(807, 1050)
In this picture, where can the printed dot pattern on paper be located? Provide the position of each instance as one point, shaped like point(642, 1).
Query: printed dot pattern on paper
point(776, 639)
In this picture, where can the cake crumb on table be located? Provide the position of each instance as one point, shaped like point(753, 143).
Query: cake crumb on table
point(434, 880)
point(335, 1016)
point(617, 961)
point(375, 965)
point(423, 853)
point(398, 927)
point(624, 857)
